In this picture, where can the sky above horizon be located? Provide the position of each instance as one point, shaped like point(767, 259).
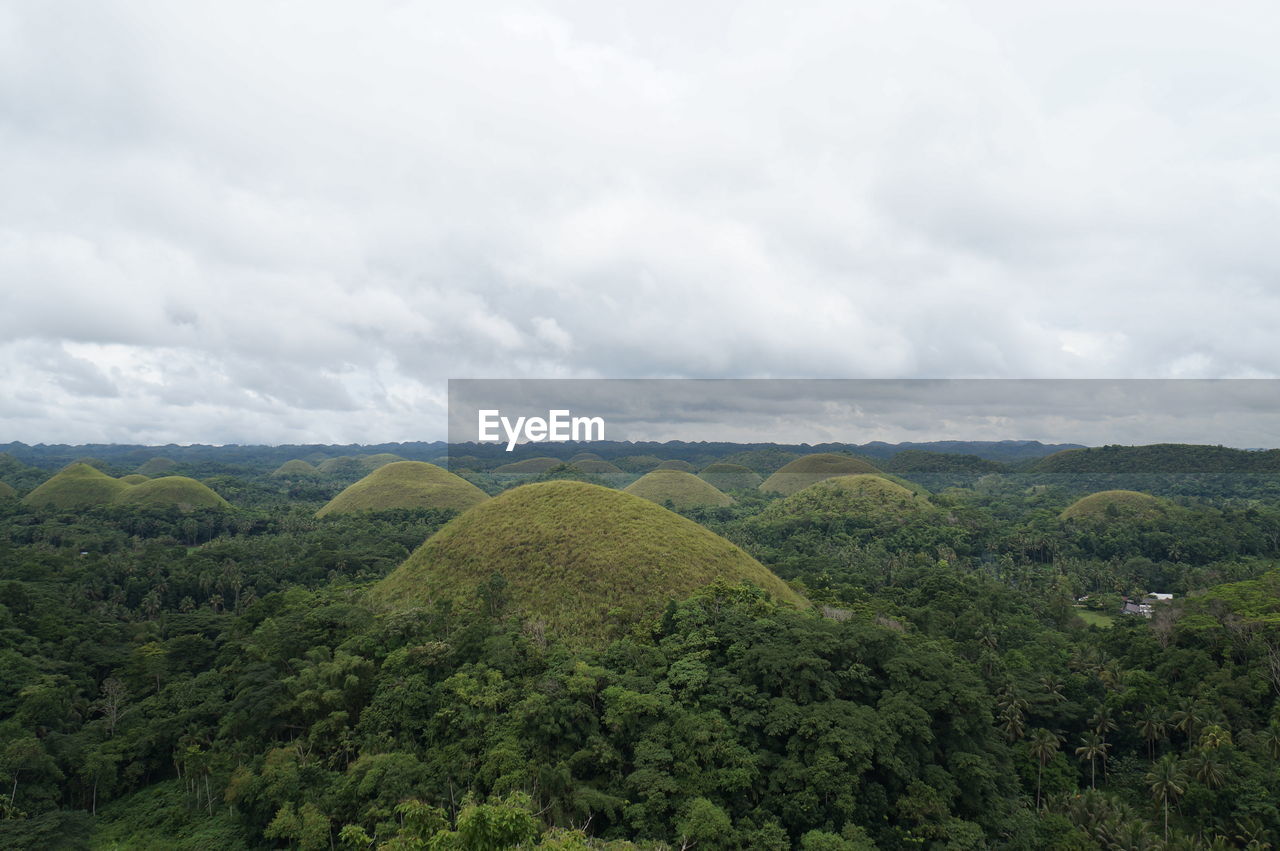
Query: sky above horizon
point(292, 222)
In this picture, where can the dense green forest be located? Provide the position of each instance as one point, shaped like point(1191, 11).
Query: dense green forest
point(176, 676)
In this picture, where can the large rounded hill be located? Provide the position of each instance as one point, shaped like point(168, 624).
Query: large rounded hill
point(864, 496)
point(178, 492)
point(730, 477)
point(294, 468)
point(1117, 505)
point(810, 469)
point(681, 489)
point(575, 556)
point(528, 467)
point(157, 466)
point(7, 492)
point(76, 486)
point(406, 484)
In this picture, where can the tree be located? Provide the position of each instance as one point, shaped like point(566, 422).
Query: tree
point(702, 823)
point(1044, 744)
point(1188, 717)
point(1092, 748)
point(1152, 727)
point(111, 705)
point(1166, 782)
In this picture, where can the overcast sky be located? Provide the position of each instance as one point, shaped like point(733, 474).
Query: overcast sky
point(292, 221)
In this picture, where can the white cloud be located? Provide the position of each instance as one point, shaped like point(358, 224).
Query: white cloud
point(286, 221)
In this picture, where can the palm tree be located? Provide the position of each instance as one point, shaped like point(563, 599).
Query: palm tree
point(1209, 769)
point(1214, 736)
point(1188, 718)
point(1271, 740)
point(1044, 744)
point(1112, 675)
point(1152, 728)
point(1092, 748)
point(1102, 722)
point(1052, 688)
point(1166, 781)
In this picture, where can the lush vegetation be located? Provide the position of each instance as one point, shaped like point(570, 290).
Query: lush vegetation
point(568, 666)
point(677, 489)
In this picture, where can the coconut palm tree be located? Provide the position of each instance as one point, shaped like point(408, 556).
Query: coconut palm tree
point(1092, 748)
point(1188, 718)
point(1166, 782)
point(1044, 744)
point(1209, 769)
point(1152, 727)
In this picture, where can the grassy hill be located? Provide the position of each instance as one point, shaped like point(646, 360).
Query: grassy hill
point(730, 477)
point(6, 492)
point(638, 463)
point(295, 467)
point(1115, 505)
point(573, 555)
point(171, 492)
point(76, 486)
point(157, 466)
point(681, 489)
point(135, 479)
point(863, 495)
point(810, 469)
point(585, 456)
point(677, 464)
point(405, 484)
point(597, 467)
point(528, 467)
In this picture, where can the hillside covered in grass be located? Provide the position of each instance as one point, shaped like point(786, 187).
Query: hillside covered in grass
point(1116, 504)
point(576, 557)
point(682, 490)
point(76, 486)
point(406, 485)
point(730, 477)
point(179, 492)
point(805, 471)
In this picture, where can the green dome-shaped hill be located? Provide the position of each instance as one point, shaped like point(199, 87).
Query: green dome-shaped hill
point(171, 492)
point(406, 484)
point(683, 490)
point(527, 467)
point(1116, 505)
point(805, 471)
point(676, 464)
point(575, 556)
point(135, 479)
point(76, 486)
point(294, 468)
point(730, 477)
point(863, 495)
point(157, 466)
point(598, 468)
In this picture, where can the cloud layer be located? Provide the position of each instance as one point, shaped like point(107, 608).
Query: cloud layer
point(291, 221)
